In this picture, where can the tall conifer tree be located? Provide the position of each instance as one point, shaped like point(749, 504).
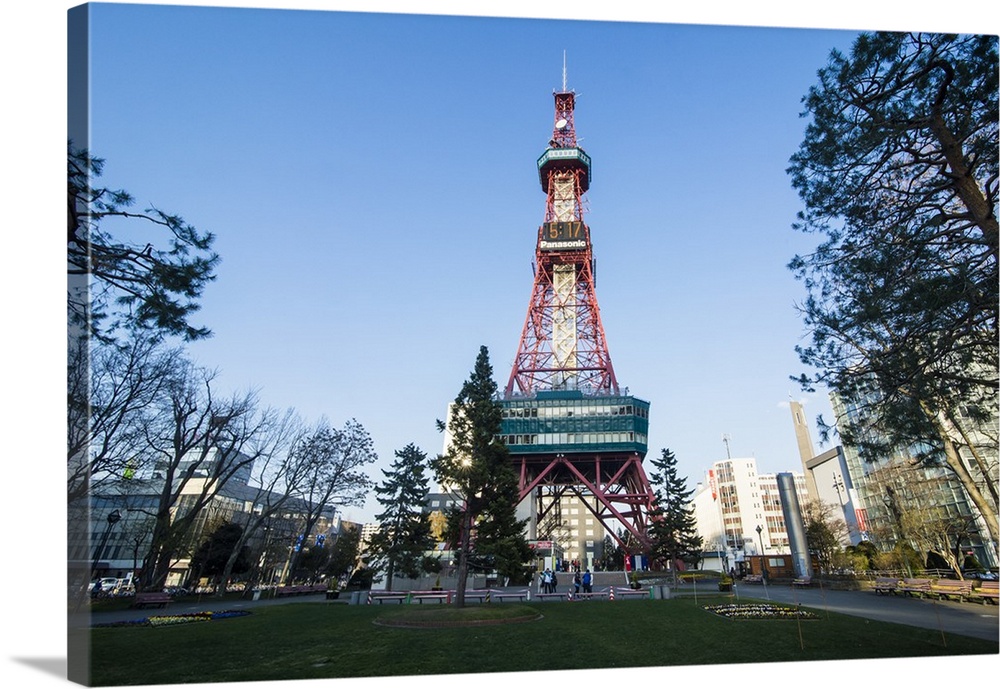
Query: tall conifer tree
point(476, 468)
point(673, 528)
point(404, 529)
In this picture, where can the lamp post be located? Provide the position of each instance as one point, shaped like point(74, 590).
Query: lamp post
point(113, 519)
point(838, 483)
point(763, 562)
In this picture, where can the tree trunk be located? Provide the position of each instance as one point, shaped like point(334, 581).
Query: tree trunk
point(463, 557)
point(389, 571)
point(980, 462)
point(957, 465)
point(966, 186)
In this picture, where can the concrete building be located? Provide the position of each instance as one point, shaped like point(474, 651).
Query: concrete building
point(121, 526)
point(827, 478)
point(731, 504)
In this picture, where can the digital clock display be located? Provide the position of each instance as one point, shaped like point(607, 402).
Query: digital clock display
point(563, 236)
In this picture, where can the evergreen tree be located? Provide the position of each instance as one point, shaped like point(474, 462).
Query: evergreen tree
point(500, 542)
point(898, 173)
point(672, 525)
point(150, 278)
point(344, 554)
point(404, 528)
point(476, 468)
point(209, 560)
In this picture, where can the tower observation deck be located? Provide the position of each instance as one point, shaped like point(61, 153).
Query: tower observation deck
point(569, 428)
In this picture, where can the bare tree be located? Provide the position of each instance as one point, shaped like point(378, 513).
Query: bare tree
point(332, 460)
point(826, 531)
point(199, 442)
point(110, 387)
point(276, 478)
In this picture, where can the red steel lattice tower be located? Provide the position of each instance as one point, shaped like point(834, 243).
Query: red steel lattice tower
point(570, 430)
point(563, 346)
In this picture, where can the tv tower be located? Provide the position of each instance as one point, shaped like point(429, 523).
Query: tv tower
point(569, 428)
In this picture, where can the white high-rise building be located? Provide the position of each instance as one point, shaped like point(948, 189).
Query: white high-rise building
point(732, 502)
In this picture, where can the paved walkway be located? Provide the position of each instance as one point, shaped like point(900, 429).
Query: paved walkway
point(968, 619)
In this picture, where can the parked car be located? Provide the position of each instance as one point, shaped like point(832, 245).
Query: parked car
point(175, 590)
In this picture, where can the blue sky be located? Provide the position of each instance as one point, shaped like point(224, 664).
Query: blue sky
point(371, 181)
point(372, 185)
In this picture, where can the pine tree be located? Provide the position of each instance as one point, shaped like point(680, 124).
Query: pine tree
point(404, 533)
point(476, 468)
point(673, 528)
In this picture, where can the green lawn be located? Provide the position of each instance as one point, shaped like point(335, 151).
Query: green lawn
point(315, 640)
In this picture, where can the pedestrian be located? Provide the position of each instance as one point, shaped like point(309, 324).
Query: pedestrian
point(577, 582)
point(587, 581)
point(555, 582)
point(547, 576)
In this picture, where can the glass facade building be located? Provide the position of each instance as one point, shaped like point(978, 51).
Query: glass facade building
point(570, 422)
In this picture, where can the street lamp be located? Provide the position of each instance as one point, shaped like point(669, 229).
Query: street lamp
point(113, 519)
point(838, 483)
point(763, 563)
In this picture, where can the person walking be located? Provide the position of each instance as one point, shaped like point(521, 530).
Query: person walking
point(577, 583)
point(588, 582)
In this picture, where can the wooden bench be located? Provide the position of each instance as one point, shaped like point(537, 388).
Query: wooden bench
point(553, 596)
point(381, 598)
point(151, 598)
point(421, 597)
point(915, 587)
point(299, 589)
point(503, 595)
point(591, 595)
point(631, 593)
point(952, 588)
point(802, 581)
point(987, 591)
point(480, 596)
point(885, 586)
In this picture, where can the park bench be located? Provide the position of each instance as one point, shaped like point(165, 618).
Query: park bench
point(503, 595)
point(987, 591)
point(886, 585)
point(480, 595)
point(915, 587)
point(631, 593)
point(802, 581)
point(421, 596)
point(952, 588)
point(553, 596)
point(381, 598)
point(151, 598)
point(592, 594)
point(753, 579)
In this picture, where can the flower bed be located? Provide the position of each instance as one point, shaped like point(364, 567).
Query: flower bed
point(168, 620)
point(760, 611)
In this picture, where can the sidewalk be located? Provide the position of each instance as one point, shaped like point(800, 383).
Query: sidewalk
point(968, 619)
point(191, 604)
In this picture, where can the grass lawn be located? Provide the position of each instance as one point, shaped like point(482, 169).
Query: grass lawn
point(314, 640)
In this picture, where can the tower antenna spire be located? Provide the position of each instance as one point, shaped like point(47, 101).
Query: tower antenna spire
point(564, 71)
